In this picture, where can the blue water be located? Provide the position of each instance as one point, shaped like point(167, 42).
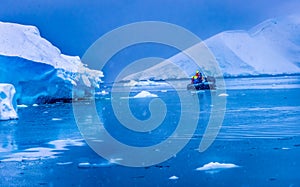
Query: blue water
point(260, 134)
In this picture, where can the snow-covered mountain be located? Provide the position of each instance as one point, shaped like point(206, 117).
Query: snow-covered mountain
point(37, 69)
point(270, 48)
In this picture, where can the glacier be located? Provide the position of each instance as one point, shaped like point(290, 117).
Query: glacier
point(38, 70)
point(8, 106)
point(270, 48)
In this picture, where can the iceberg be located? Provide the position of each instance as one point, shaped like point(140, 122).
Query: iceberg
point(38, 70)
point(270, 48)
point(8, 107)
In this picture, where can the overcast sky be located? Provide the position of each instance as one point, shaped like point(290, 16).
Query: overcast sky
point(73, 25)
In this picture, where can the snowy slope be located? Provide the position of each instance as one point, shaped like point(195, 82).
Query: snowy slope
point(270, 48)
point(37, 69)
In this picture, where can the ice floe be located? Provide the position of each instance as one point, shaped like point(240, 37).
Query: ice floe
point(144, 94)
point(22, 106)
point(173, 177)
point(215, 167)
point(223, 95)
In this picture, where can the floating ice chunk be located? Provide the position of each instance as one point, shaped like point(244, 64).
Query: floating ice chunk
point(215, 167)
point(115, 160)
point(99, 165)
point(35, 104)
point(84, 165)
point(63, 163)
point(173, 177)
point(22, 106)
point(144, 94)
point(7, 102)
point(56, 119)
point(223, 95)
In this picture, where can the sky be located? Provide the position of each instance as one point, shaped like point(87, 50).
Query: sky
point(73, 25)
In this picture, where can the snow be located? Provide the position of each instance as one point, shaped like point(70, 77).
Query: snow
point(144, 94)
point(270, 48)
point(215, 167)
point(43, 73)
point(8, 108)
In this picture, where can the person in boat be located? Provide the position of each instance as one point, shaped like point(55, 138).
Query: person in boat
point(200, 77)
point(197, 78)
point(194, 79)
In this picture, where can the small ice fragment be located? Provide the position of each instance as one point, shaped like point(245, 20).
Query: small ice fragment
point(30, 158)
point(56, 119)
point(84, 165)
point(223, 95)
point(63, 163)
point(22, 106)
point(115, 160)
point(164, 90)
point(285, 148)
point(106, 164)
point(173, 177)
point(35, 104)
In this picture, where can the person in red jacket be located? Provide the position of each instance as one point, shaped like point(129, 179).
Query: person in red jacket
point(197, 78)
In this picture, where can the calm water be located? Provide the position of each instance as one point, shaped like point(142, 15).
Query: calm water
point(260, 134)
